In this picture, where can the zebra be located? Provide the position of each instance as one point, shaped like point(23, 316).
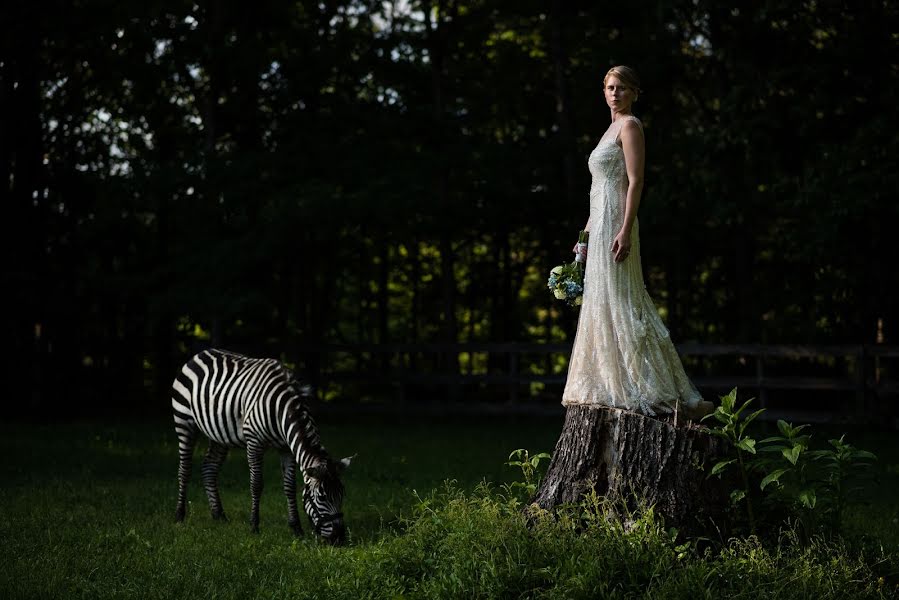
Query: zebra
point(257, 403)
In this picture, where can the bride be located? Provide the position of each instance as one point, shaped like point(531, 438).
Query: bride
point(623, 356)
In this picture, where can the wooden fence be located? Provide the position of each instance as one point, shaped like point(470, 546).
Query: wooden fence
point(866, 375)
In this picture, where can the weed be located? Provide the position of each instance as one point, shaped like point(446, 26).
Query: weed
point(530, 471)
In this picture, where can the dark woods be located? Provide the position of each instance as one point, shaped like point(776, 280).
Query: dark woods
point(271, 176)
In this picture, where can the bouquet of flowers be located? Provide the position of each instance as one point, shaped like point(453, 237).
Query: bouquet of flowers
point(566, 282)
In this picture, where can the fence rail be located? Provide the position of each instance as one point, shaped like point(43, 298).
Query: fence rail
point(864, 371)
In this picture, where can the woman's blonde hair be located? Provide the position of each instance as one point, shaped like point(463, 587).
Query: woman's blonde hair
point(627, 76)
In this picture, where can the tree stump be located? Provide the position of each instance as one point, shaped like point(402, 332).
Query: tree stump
point(627, 456)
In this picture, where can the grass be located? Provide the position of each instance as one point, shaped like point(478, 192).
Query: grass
point(86, 510)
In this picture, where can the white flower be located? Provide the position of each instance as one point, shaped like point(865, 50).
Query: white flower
point(560, 294)
point(578, 300)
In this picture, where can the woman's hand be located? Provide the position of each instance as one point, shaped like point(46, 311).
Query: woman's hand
point(580, 250)
point(621, 245)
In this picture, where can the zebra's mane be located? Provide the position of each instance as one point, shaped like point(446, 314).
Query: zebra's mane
point(309, 430)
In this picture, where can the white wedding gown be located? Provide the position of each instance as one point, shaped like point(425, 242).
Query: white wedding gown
point(622, 355)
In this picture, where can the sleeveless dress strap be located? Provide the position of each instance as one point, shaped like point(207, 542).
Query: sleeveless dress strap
point(623, 121)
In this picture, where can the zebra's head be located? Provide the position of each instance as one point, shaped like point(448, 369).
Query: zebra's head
point(323, 498)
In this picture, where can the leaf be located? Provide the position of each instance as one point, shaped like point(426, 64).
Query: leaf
point(785, 429)
point(727, 402)
point(792, 454)
point(838, 444)
point(743, 407)
point(535, 460)
point(749, 419)
point(711, 414)
point(808, 499)
point(777, 448)
point(821, 454)
point(720, 466)
point(737, 495)
point(788, 430)
point(772, 477)
point(864, 454)
point(719, 433)
point(801, 439)
point(721, 415)
point(747, 444)
point(776, 438)
point(800, 428)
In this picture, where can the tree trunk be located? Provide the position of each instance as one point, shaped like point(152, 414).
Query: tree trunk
point(625, 456)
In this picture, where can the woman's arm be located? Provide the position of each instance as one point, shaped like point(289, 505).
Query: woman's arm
point(634, 158)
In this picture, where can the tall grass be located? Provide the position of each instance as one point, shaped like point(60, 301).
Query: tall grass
point(87, 511)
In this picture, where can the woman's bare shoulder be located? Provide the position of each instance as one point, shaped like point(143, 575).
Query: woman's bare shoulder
point(632, 126)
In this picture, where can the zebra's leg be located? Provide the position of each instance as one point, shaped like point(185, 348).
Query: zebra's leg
point(289, 479)
point(255, 451)
point(187, 438)
point(215, 456)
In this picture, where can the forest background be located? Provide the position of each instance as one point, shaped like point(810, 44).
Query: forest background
point(277, 176)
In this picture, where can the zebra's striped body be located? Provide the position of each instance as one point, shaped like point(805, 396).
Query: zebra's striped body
point(256, 403)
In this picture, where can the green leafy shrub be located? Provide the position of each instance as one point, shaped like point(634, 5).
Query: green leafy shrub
point(811, 487)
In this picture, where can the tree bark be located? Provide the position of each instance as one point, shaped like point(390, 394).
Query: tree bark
point(630, 459)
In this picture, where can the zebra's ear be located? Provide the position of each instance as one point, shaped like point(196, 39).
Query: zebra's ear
point(343, 463)
point(316, 471)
